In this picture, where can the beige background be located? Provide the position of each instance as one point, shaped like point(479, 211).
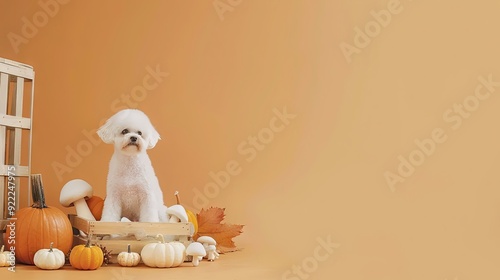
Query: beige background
point(323, 174)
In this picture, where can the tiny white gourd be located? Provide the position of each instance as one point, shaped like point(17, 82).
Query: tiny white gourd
point(5, 257)
point(51, 258)
point(163, 254)
point(128, 258)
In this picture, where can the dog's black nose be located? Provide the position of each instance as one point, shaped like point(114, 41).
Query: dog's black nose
point(133, 139)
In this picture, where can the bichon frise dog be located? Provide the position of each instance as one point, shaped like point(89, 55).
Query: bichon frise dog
point(132, 189)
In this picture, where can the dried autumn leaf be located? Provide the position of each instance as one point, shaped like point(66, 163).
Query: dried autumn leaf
point(210, 224)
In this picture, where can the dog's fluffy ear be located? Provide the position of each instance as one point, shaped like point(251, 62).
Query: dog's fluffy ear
point(106, 132)
point(153, 138)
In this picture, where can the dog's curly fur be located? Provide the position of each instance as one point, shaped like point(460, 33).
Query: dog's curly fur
point(132, 189)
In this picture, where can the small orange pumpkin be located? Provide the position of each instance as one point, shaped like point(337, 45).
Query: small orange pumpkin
point(95, 204)
point(34, 228)
point(86, 257)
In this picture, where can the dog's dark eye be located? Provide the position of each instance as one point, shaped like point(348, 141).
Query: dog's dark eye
point(125, 131)
point(139, 132)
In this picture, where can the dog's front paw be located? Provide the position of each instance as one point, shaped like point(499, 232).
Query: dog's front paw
point(109, 219)
point(149, 216)
point(112, 211)
point(149, 219)
point(140, 235)
point(110, 216)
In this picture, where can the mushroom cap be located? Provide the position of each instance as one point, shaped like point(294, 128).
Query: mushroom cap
point(179, 211)
point(207, 239)
point(211, 248)
point(74, 190)
point(196, 249)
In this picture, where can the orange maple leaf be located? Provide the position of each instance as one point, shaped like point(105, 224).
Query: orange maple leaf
point(210, 224)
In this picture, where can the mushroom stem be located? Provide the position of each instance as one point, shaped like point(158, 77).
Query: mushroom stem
point(211, 253)
point(174, 219)
point(196, 261)
point(82, 209)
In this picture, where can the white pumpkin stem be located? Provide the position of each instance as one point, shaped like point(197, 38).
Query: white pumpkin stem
point(162, 238)
point(1, 249)
point(177, 197)
point(128, 248)
point(51, 244)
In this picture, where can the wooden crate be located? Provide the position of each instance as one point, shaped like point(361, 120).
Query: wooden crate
point(17, 82)
point(183, 232)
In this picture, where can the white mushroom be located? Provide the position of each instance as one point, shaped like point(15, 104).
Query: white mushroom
point(208, 241)
point(177, 214)
point(212, 254)
point(197, 251)
point(74, 193)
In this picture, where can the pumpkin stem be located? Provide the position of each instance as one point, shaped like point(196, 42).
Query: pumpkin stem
point(177, 197)
point(51, 245)
point(162, 238)
point(128, 248)
point(37, 191)
point(1, 249)
point(87, 244)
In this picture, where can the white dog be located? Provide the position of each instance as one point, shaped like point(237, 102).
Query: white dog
point(132, 189)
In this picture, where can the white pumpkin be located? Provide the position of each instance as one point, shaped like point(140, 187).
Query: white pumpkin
point(163, 254)
point(5, 257)
point(180, 252)
point(128, 258)
point(51, 258)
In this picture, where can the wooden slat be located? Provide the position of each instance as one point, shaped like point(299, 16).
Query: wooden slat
point(79, 223)
point(15, 137)
point(30, 142)
point(13, 125)
point(100, 230)
point(139, 228)
point(116, 245)
point(3, 223)
point(20, 171)
point(97, 227)
point(14, 121)
point(17, 69)
point(4, 90)
point(121, 245)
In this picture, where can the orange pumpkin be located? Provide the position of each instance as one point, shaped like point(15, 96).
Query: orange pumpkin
point(37, 226)
point(95, 204)
point(86, 257)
